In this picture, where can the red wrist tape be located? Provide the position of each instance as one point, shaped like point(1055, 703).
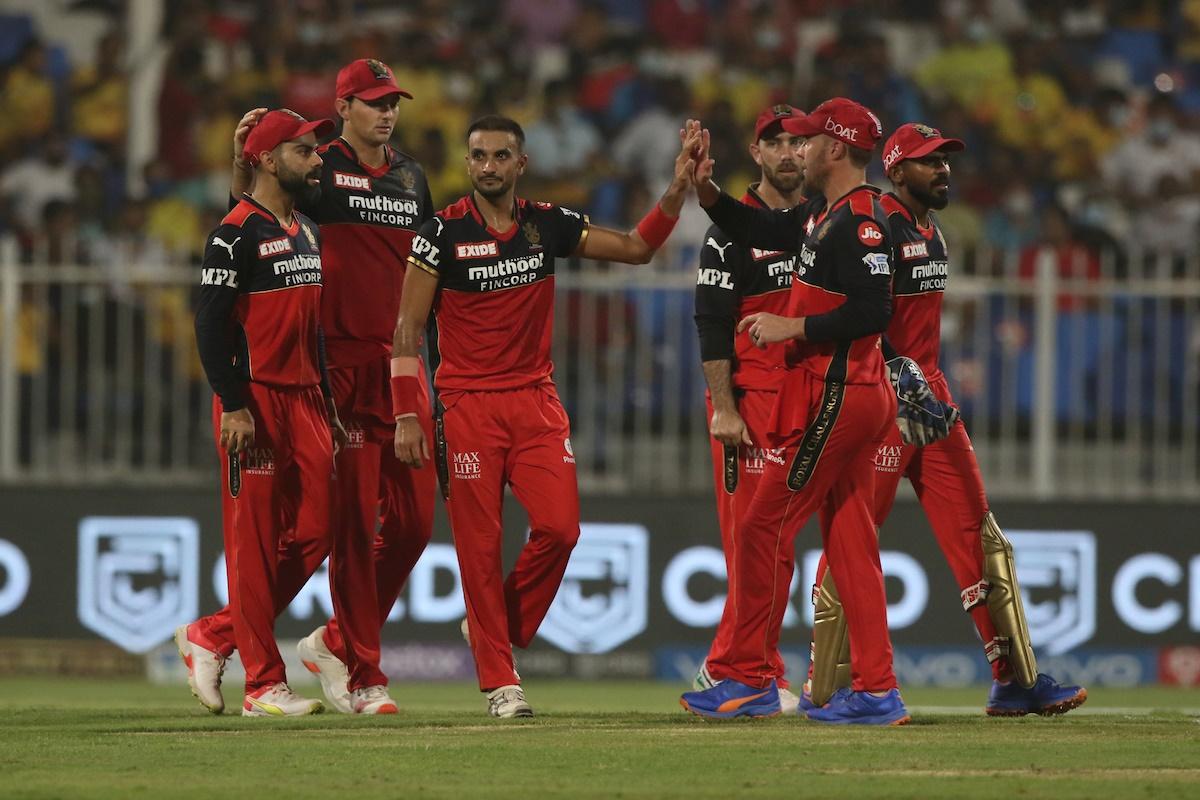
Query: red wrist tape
point(655, 227)
point(406, 389)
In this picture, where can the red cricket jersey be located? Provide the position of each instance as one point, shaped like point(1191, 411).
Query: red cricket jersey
point(921, 266)
point(493, 318)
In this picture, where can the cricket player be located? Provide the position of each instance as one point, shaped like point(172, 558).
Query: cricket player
point(944, 473)
point(485, 268)
point(732, 282)
point(833, 409)
point(258, 331)
point(373, 199)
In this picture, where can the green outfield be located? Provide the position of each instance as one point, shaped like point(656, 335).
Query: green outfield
point(91, 738)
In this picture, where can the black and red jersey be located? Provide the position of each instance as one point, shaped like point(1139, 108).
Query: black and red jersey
point(494, 313)
point(258, 313)
point(844, 275)
point(368, 217)
point(920, 266)
point(734, 281)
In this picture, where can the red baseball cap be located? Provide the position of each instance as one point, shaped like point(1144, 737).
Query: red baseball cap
point(842, 119)
point(367, 79)
point(278, 126)
point(913, 140)
point(772, 115)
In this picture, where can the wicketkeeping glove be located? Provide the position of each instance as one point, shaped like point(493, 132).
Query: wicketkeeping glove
point(921, 417)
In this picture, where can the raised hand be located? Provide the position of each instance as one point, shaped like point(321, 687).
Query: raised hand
point(244, 126)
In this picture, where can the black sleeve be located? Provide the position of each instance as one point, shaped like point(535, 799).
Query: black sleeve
point(765, 228)
point(865, 275)
point(426, 201)
point(717, 295)
point(323, 364)
point(221, 277)
point(570, 229)
point(426, 251)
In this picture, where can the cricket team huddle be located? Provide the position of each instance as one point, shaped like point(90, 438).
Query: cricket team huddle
point(818, 302)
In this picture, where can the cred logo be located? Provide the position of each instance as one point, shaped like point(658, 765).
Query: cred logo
point(870, 235)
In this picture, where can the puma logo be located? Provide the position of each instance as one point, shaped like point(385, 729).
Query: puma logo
point(720, 250)
point(227, 245)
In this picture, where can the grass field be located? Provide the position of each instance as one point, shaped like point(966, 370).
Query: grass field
point(81, 738)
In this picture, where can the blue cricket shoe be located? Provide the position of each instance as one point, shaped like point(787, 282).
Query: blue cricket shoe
point(862, 708)
point(1046, 697)
point(729, 699)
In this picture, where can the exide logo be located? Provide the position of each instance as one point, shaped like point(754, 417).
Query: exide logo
point(911, 250)
point(273, 247)
point(476, 250)
point(346, 180)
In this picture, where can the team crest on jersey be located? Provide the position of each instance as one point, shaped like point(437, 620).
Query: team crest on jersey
point(308, 234)
point(408, 178)
point(532, 234)
point(824, 229)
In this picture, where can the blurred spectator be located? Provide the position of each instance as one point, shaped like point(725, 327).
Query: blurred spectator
point(100, 100)
point(37, 180)
point(1136, 168)
point(540, 22)
point(27, 98)
point(649, 143)
point(1072, 259)
point(562, 141)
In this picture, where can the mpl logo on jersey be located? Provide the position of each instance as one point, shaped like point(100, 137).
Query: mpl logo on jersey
point(602, 601)
point(347, 180)
point(1057, 573)
point(138, 577)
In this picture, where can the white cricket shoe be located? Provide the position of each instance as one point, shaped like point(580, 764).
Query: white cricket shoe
point(789, 703)
point(204, 671)
point(508, 702)
point(278, 700)
point(373, 700)
point(703, 680)
point(318, 660)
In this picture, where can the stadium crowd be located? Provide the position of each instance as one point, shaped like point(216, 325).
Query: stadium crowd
point(1080, 117)
point(1085, 107)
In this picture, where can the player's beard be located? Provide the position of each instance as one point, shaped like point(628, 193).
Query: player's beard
point(494, 190)
point(785, 182)
point(930, 198)
point(299, 188)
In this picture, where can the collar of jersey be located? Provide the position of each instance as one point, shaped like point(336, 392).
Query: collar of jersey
point(374, 172)
point(841, 201)
point(259, 208)
point(519, 206)
point(926, 232)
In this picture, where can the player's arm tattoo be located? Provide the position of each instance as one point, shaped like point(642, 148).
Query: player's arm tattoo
point(719, 377)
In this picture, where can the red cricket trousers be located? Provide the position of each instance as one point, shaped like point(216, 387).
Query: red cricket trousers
point(519, 438)
point(826, 468)
point(949, 486)
point(368, 568)
point(289, 466)
point(755, 409)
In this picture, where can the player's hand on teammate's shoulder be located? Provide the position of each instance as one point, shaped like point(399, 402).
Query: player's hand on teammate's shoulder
point(768, 329)
point(411, 446)
point(237, 430)
point(244, 126)
point(728, 427)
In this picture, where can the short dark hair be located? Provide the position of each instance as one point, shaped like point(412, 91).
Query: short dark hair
point(495, 122)
point(858, 156)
